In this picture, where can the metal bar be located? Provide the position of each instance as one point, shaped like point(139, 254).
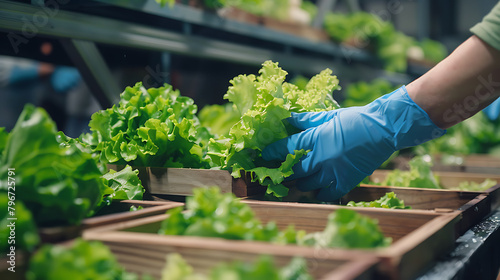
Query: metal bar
point(423, 12)
point(191, 15)
point(324, 6)
point(94, 71)
point(15, 17)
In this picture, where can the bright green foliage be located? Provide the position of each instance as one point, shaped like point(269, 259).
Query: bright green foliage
point(125, 184)
point(149, 127)
point(348, 229)
point(310, 8)
point(58, 183)
point(433, 51)
point(26, 235)
point(212, 214)
point(218, 118)
point(263, 268)
point(476, 135)
point(419, 175)
point(82, 261)
point(163, 3)
point(278, 9)
point(3, 139)
point(362, 93)
point(389, 200)
point(263, 103)
point(473, 186)
point(368, 31)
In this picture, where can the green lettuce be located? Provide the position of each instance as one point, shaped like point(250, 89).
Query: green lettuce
point(213, 214)
point(473, 186)
point(348, 229)
point(26, 237)
point(419, 175)
point(218, 119)
point(389, 200)
point(263, 268)
point(59, 184)
point(362, 93)
point(83, 260)
point(264, 102)
point(149, 127)
point(3, 139)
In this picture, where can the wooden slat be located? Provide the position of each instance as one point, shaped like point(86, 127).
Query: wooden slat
point(182, 181)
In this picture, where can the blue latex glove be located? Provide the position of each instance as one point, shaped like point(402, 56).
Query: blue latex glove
point(21, 74)
point(64, 78)
point(493, 110)
point(349, 144)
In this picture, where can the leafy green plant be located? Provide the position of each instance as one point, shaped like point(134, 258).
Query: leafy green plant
point(362, 93)
point(212, 214)
point(263, 268)
point(218, 118)
point(264, 102)
point(26, 235)
point(348, 229)
point(370, 32)
point(82, 260)
point(419, 175)
point(149, 127)
point(473, 186)
point(54, 179)
point(476, 135)
point(389, 200)
point(59, 184)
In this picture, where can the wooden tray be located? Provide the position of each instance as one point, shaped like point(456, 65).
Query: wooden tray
point(118, 211)
point(182, 181)
point(450, 180)
point(474, 206)
point(413, 234)
point(145, 253)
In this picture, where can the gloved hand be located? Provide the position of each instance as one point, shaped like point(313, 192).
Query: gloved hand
point(493, 110)
point(20, 74)
point(64, 78)
point(349, 144)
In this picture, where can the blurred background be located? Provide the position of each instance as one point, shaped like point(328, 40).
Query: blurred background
point(74, 58)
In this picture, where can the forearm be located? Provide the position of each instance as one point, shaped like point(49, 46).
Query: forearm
point(461, 85)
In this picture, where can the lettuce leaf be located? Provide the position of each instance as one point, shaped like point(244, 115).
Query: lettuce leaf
point(26, 237)
point(263, 268)
point(149, 127)
point(389, 200)
point(213, 214)
point(59, 184)
point(263, 103)
point(348, 229)
point(83, 260)
point(419, 175)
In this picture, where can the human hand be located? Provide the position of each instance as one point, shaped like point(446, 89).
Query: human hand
point(348, 144)
point(64, 78)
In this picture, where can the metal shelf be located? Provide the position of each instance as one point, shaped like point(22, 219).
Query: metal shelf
point(85, 23)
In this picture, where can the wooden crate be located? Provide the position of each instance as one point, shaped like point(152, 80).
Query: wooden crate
point(450, 180)
point(413, 233)
point(146, 253)
point(182, 181)
point(118, 211)
point(474, 206)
